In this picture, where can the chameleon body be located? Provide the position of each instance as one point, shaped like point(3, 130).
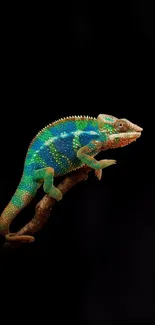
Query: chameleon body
point(61, 147)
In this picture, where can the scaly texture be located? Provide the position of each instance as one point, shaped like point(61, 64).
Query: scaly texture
point(62, 147)
point(57, 144)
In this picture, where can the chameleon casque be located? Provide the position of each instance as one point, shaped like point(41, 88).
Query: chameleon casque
point(62, 147)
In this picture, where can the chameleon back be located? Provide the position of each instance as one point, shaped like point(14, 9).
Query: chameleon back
point(57, 144)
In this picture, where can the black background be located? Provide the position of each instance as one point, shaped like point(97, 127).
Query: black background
point(93, 263)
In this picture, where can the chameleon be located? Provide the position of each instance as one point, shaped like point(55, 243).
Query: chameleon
point(61, 147)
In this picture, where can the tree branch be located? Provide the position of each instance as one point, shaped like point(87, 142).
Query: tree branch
point(44, 207)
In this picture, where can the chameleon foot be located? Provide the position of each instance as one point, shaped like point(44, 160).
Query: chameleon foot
point(106, 163)
point(103, 164)
point(47, 174)
point(55, 193)
point(98, 173)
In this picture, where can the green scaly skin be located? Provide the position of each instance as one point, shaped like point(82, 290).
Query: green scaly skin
point(64, 146)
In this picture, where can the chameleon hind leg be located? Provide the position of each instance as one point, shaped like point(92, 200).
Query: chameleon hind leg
point(47, 175)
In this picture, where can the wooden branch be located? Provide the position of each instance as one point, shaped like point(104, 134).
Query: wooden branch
point(44, 207)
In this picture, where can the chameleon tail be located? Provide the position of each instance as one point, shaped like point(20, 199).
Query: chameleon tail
point(23, 195)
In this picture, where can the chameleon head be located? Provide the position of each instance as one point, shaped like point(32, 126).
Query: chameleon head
point(120, 132)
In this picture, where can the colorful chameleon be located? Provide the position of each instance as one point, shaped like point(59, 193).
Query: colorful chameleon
point(62, 147)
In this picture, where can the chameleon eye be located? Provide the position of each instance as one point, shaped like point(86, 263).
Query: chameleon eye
point(120, 126)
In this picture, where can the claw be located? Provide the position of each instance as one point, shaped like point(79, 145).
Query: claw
point(98, 173)
point(111, 162)
point(107, 162)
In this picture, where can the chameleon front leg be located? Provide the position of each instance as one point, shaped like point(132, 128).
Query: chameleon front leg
point(47, 175)
point(85, 154)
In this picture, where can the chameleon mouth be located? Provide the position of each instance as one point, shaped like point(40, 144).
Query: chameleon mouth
point(123, 139)
point(129, 136)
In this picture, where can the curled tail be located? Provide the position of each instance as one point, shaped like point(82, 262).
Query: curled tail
point(23, 195)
